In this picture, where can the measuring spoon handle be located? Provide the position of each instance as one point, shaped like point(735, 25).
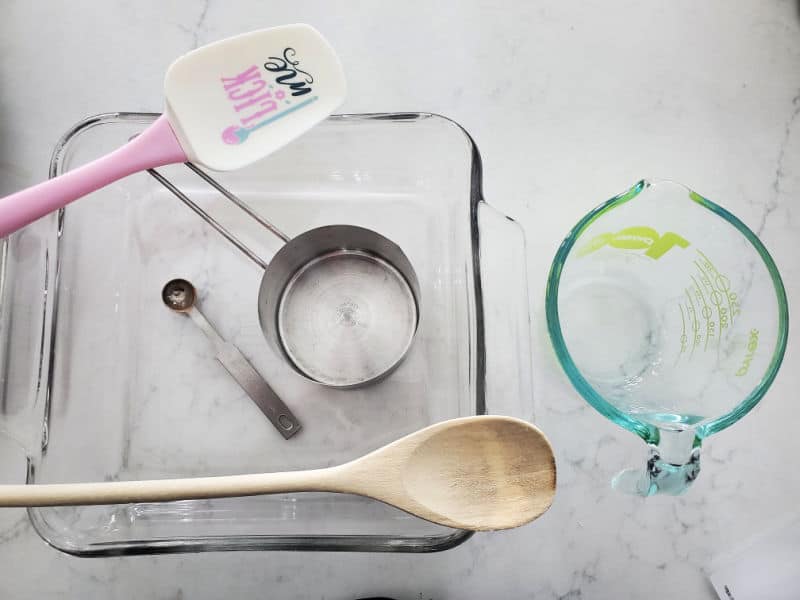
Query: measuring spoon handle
point(248, 379)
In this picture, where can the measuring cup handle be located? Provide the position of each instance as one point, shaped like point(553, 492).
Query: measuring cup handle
point(672, 465)
point(504, 308)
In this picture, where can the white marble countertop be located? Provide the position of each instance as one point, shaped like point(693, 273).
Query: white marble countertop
point(570, 103)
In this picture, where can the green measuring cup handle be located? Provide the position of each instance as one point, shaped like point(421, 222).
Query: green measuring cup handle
point(673, 464)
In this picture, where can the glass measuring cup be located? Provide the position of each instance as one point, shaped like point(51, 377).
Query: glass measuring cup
point(670, 318)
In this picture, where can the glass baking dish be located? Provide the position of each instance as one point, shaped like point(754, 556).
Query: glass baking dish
point(102, 382)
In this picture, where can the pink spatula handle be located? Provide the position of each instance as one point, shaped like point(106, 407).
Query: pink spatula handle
point(155, 147)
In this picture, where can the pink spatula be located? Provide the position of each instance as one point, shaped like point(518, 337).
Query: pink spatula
point(228, 104)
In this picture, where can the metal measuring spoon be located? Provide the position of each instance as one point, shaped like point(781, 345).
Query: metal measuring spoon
point(179, 295)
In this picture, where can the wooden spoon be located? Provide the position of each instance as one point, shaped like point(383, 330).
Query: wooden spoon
point(478, 473)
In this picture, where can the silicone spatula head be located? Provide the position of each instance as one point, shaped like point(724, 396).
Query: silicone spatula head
point(239, 99)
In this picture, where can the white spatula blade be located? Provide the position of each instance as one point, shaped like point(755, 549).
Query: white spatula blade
point(235, 101)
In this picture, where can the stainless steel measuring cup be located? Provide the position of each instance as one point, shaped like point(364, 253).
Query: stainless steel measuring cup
point(339, 302)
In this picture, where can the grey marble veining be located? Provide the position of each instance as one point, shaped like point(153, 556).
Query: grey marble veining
point(569, 102)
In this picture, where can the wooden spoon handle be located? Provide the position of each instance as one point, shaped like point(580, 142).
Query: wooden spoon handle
point(164, 490)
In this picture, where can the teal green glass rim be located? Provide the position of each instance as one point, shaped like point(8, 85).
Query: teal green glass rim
point(647, 432)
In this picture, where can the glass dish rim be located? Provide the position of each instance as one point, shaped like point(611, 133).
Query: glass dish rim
point(650, 433)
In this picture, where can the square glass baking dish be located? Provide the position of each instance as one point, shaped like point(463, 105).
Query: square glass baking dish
point(101, 382)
